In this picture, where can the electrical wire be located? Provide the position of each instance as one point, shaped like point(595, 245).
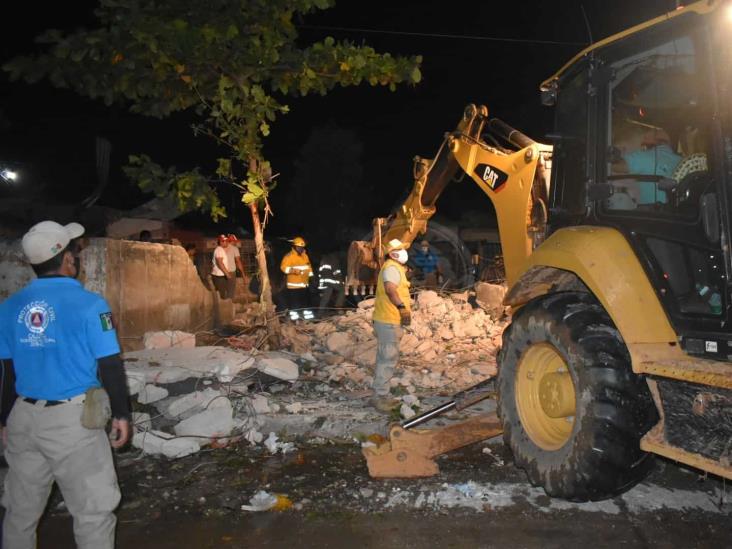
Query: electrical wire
point(446, 36)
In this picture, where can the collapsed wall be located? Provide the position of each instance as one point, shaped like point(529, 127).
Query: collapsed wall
point(149, 286)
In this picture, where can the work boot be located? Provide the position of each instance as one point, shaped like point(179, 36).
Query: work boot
point(384, 404)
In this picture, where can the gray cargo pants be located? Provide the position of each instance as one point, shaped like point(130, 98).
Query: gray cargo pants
point(387, 355)
point(47, 444)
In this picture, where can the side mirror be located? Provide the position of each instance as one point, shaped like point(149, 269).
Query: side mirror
point(710, 216)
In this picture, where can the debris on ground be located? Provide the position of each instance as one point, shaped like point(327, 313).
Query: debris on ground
point(315, 388)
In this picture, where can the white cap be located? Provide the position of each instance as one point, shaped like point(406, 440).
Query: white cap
point(46, 239)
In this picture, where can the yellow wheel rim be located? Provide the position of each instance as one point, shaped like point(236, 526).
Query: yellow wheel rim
point(545, 396)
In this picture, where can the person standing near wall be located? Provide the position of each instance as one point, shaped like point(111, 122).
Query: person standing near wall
point(225, 262)
point(58, 348)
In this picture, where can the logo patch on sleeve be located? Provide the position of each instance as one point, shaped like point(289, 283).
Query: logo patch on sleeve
point(107, 323)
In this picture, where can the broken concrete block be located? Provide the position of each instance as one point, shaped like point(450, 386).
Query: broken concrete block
point(213, 422)
point(192, 403)
point(428, 298)
point(445, 333)
point(151, 393)
point(294, 408)
point(167, 339)
point(281, 368)
point(260, 403)
point(339, 342)
point(490, 297)
point(161, 366)
point(135, 381)
point(158, 442)
point(141, 421)
point(367, 303)
point(365, 353)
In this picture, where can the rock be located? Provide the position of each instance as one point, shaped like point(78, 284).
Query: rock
point(408, 343)
point(161, 366)
point(213, 422)
point(428, 298)
point(260, 403)
point(192, 403)
point(151, 393)
point(322, 329)
point(445, 333)
point(141, 421)
point(367, 303)
point(407, 412)
point(490, 297)
point(294, 408)
point(158, 442)
point(410, 400)
point(365, 353)
point(253, 436)
point(424, 347)
point(168, 339)
point(339, 342)
point(281, 368)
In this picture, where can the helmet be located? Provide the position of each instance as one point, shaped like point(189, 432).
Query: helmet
point(298, 241)
point(394, 245)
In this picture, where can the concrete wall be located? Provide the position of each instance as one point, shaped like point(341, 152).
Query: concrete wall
point(149, 286)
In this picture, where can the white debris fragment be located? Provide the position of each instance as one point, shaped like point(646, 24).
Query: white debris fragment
point(158, 442)
point(281, 368)
point(253, 436)
point(274, 445)
point(294, 408)
point(260, 403)
point(151, 393)
point(192, 403)
point(214, 422)
point(261, 501)
point(406, 412)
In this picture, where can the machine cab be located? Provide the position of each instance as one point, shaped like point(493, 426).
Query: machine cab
point(644, 145)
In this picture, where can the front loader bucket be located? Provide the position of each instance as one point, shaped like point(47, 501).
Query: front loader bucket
point(411, 453)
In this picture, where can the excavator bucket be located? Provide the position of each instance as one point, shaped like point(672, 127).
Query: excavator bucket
point(411, 453)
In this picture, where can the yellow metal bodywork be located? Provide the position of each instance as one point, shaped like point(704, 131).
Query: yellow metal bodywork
point(701, 7)
point(512, 201)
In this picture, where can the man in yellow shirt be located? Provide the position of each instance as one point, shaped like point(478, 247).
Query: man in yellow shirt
point(297, 269)
point(392, 310)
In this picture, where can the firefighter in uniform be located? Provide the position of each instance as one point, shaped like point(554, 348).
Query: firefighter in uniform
point(297, 269)
point(330, 283)
point(57, 346)
point(392, 310)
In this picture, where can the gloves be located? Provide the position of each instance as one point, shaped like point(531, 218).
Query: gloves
point(405, 317)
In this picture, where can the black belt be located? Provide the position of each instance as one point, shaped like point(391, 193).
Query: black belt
point(48, 402)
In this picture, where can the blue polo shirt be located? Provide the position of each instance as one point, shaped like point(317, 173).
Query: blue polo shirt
point(55, 330)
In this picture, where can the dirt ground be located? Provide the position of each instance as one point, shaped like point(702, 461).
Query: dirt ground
point(479, 500)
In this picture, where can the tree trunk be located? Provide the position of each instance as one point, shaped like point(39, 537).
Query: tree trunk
point(265, 297)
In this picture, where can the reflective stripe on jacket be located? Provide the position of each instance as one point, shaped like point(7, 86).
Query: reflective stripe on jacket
point(384, 310)
point(292, 261)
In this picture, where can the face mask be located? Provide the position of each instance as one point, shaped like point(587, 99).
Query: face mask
point(400, 256)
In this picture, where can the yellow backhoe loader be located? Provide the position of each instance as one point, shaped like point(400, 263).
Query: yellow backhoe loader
point(616, 244)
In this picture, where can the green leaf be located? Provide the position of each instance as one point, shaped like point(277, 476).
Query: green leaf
point(264, 128)
point(416, 75)
point(248, 198)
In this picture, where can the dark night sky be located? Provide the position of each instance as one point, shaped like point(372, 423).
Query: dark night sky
point(52, 131)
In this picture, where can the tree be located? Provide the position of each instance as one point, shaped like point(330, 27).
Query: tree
point(234, 62)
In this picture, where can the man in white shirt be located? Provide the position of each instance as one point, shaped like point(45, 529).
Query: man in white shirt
point(226, 259)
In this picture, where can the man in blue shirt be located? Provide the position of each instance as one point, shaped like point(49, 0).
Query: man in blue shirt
point(58, 344)
point(425, 262)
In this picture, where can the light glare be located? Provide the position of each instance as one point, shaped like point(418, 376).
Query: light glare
point(9, 175)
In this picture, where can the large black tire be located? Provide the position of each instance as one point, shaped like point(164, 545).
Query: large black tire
point(613, 408)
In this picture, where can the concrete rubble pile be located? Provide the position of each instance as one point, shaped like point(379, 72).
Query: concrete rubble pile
point(187, 397)
point(449, 345)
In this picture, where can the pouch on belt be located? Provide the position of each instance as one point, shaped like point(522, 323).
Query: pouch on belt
point(97, 410)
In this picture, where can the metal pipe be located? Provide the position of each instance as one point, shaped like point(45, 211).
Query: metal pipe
point(512, 135)
point(429, 414)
